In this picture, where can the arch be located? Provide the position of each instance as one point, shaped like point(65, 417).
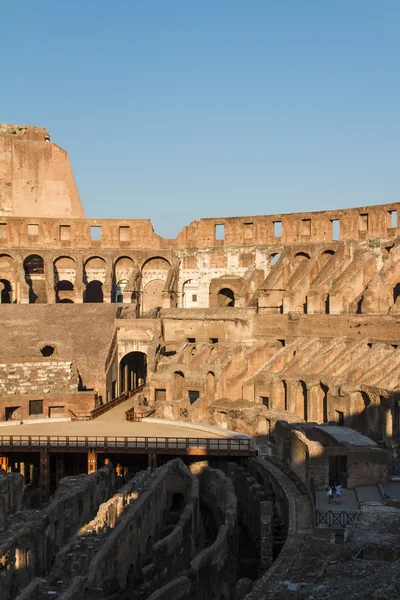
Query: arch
point(5, 292)
point(132, 371)
point(33, 265)
point(155, 263)
point(123, 269)
point(226, 297)
point(302, 254)
point(7, 263)
point(281, 398)
point(152, 295)
point(274, 258)
point(64, 263)
point(34, 277)
point(178, 383)
point(65, 286)
point(93, 292)
point(94, 269)
point(302, 400)
point(210, 385)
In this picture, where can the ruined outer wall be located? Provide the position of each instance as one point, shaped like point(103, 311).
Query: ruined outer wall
point(139, 233)
point(80, 333)
point(36, 176)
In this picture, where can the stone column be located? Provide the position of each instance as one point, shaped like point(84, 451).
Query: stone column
point(60, 468)
point(79, 286)
point(92, 461)
point(152, 461)
point(50, 281)
point(44, 477)
point(108, 284)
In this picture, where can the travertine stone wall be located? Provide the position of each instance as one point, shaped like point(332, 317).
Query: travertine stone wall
point(35, 537)
point(37, 178)
point(11, 496)
point(44, 377)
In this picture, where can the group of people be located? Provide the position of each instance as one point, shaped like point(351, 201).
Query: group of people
point(334, 493)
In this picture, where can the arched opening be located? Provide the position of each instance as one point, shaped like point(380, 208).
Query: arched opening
point(178, 382)
point(274, 258)
point(95, 271)
point(119, 290)
point(132, 371)
point(124, 268)
point(281, 398)
point(226, 297)
point(302, 401)
point(64, 291)
point(210, 385)
point(5, 291)
point(324, 390)
point(152, 295)
point(64, 278)
point(65, 286)
point(302, 254)
point(34, 277)
point(93, 292)
point(154, 277)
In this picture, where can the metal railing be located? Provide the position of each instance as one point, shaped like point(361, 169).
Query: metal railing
point(133, 443)
point(331, 518)
point(132, 415)
point(100, 410)
point(394, 467)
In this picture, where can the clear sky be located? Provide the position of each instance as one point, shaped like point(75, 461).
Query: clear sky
point(179, 109)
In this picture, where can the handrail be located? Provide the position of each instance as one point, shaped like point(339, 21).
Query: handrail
point(331, 518)
point(209, 445)
point(137, 416)
point(100, 410)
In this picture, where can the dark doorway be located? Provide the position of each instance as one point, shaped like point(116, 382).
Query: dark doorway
point(93, 292)
point(5, 297)
point(132, 369)
point(338, 470)
point(226, 297)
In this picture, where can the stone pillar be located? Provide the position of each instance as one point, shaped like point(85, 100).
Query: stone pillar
point(291, 395)
point(108, 284)
point(266, 535)
point(315, 404)
point(44, 478)
point(152, 461)
point(50, 281)
point(23, 286)
point(60, 468)
point(79, 286)
point(92, 461)
point(388, 432)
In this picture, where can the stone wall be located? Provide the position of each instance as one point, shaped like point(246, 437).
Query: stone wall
point(41, 377)
point(212, 572)
point(11, 496)
point(37, 179)
point(33, 538)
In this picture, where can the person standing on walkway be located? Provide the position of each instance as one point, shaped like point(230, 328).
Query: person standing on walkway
point(338, 491)
point(330, 493)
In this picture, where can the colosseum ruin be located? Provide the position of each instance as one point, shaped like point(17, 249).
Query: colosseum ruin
point(172, 411)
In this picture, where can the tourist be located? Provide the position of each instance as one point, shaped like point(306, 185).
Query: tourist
point(338, 491)
point(330, 493)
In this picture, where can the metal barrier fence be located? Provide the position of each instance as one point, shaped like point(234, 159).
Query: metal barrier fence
point(127, 443)
point(394, 467)
point(100, 410)
point(330, 518)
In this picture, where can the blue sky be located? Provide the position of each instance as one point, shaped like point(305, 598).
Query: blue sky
point(175, 110)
